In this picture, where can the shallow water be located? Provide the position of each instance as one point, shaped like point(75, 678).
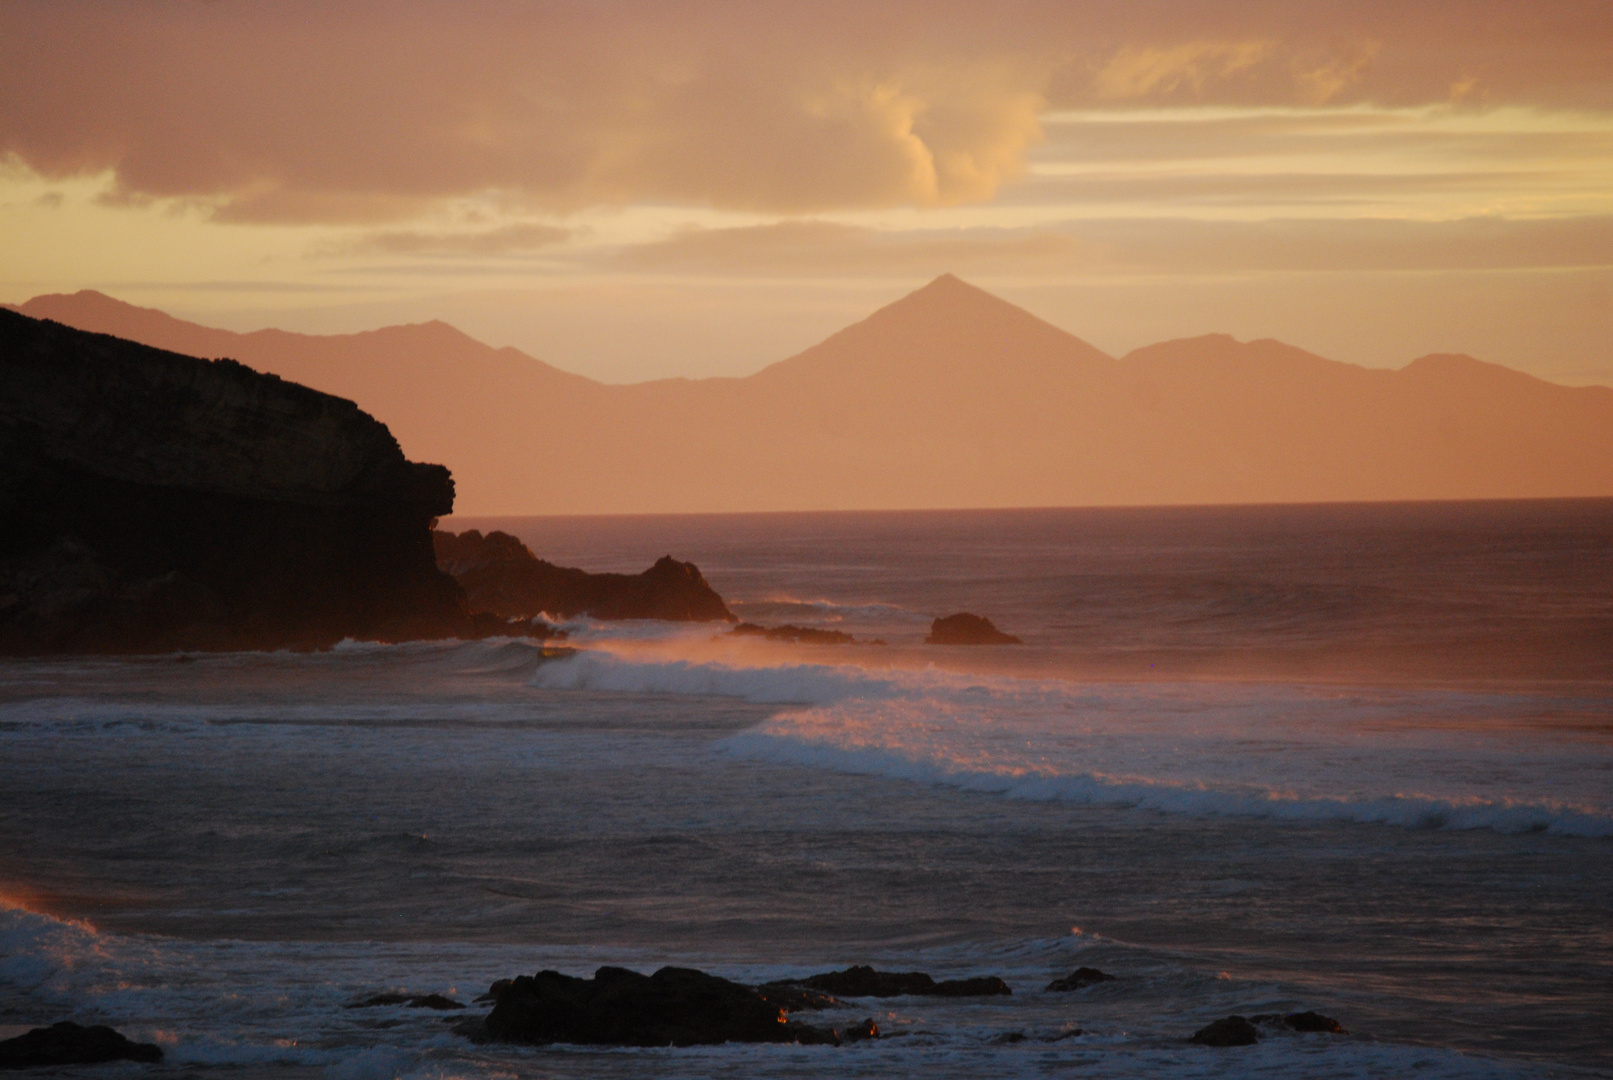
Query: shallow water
point(1422, 850)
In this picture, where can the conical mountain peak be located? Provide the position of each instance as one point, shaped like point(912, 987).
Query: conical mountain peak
point(951, 297)
point(947, 330)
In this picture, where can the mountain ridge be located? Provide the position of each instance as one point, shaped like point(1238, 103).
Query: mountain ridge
point(948, 397)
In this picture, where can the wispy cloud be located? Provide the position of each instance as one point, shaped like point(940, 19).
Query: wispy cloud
point(504, 240)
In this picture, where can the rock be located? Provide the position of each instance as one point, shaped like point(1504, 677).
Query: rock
point(423, 1001)
point(980, 986)
point(1079, 979)
point(68, 1043)
point(617, 1007)
point(864, 981)
point(500, 574)
point(865, 1030)
point(1008, 1038)
point(792, 997)
point(155, 502)
point(1232, 1031)
point(1301, 1021)
point(796, 635)
point(966, 629)
point(1313, 1021)
point(495, 990)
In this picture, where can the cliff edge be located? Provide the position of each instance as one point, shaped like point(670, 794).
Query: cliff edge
point(154, 501)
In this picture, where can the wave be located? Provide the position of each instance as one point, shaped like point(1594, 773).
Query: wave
point(1193, 798)
point(771, 685)
point(1406, 758)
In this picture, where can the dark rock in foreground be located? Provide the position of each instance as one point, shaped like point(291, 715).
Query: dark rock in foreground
point(1079, 979)
point(617, 1007)
point(793, 997)
point(864, 981)
point(68, 1043)
point(1232, 1031)
point(966, 629)
point(413, 1001)
point(1302, 1021)
point(156, 502)
point(795, 635)
point(500, 574)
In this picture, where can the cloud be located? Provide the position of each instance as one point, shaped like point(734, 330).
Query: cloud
point(1134, 72)
point(368, 112)
point(506, 240)
point(1127, 247)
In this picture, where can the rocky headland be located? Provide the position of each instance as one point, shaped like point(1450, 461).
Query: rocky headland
point(157, 502)
point(501, 575)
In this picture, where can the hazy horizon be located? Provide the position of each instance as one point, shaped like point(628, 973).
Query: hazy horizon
point(81, 302)
point(948, 398)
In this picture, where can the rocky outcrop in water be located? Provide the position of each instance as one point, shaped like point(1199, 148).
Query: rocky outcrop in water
point(1079, 979)
point(68, 1043)
point(618, 1007)
point(794, 635)
point(1231, 1031)
point(966, 629)
point(793, 997)
point(864, 981)
point(1307, 1021)
point(501, 575)
point(155, 502)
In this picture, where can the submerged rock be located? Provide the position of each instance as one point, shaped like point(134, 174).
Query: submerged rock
point(500, 574)
point(795, 635)
point(864, 981)
point(413, 1001)
point(979, 986)
point(966, 629)
point(1079, 979)
point(155, 502)
point(618, 1007)
point(1231, 1031)
point(68, 1043)
point(1302, 1021)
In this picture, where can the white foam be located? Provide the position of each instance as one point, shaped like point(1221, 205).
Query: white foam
point(1282, 752)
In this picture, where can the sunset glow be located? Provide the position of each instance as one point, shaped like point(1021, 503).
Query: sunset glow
point(747, 179)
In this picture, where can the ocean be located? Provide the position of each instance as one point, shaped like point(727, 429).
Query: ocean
point(1350, 758)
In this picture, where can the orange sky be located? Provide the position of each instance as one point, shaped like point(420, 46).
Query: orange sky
point(637, 190)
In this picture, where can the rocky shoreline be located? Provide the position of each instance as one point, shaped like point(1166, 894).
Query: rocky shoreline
point(684, 1007)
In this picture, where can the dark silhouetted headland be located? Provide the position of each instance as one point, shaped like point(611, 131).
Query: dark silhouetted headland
point(154, 501)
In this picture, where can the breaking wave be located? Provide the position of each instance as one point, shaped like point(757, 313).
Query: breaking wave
point(1417, 759)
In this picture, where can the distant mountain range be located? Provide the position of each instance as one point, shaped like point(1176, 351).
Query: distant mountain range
point(950, 397)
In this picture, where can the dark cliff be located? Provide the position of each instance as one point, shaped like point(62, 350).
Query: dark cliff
point(501, 575)
point(154, 501)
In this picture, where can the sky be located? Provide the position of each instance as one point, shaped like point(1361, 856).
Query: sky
point(635, 191)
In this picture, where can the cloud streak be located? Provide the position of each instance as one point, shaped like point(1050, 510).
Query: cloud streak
point(303, 112)
point(1150, 247)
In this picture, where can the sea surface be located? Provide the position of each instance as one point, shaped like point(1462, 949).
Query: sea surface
point(1355, 759)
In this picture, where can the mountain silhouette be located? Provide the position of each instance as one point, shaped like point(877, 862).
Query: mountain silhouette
point(949, 397)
